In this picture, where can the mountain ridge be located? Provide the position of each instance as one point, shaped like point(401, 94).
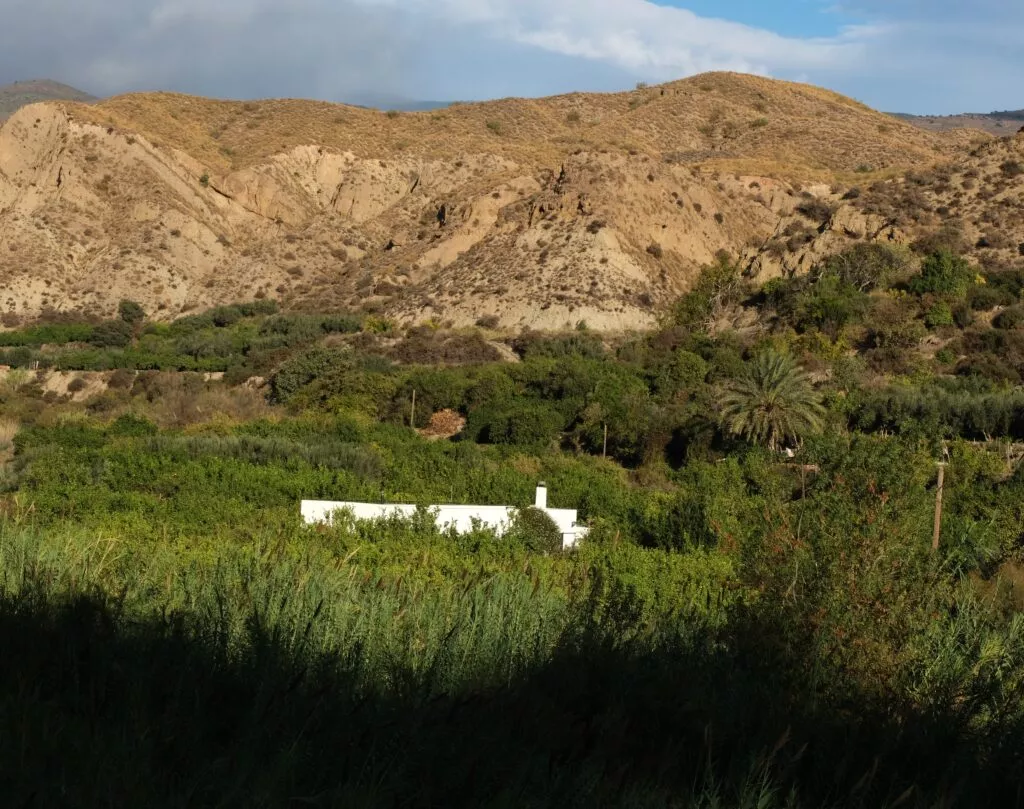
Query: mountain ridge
point(18, 94)
point(539, 213)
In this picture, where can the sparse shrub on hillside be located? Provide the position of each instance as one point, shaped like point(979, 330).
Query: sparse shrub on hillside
point(759, 123)
point(718, 286)
point(121, 379)
point(77, 384)
point(204, 180)
point(1012, 318)
point(655, 250)
point(1009, 282)
point(893, 324)
point(963, 316)
point(950, 238)
point(131, 312)
point(984, 298)
point(573, 117)
point(990, 367)
point(995, 240)
point(817, 210)
point(426, 346)
point(869, 266)
point(1012, 168)
point(488, 322)
point(496, 127)
point(533, 345)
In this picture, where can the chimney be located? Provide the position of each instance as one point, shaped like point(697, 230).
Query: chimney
point(542, 495)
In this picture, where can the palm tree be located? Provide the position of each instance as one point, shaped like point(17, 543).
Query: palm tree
point(773, 404)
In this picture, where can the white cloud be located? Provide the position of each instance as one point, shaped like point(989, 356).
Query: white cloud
point(659, 41)
point(917, 55)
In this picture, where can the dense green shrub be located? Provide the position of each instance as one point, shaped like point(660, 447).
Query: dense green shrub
point(523, 423)
point(939, 315)
point(943, 273)
point(303, 369)
point(48, 334)
point(533, 345)
point(535, 531)
point(828, 304)
point(111, 334)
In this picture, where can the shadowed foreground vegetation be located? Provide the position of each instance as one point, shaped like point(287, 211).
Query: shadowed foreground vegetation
point(258, 679)
point(745, 626)
point(172, 636)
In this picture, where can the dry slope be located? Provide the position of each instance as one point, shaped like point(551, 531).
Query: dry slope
point(539, 212)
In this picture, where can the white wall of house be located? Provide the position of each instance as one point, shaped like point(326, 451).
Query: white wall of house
point(461, 518)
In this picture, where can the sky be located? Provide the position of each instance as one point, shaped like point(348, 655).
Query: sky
point(919, 56)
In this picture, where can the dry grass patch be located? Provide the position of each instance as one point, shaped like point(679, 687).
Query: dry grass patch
point(8, 429)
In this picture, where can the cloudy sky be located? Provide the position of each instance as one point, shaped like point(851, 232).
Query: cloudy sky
point(925, 56)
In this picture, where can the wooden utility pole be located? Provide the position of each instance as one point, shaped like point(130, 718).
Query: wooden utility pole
point(938, 506)
point(412, 412)
point(604, 452)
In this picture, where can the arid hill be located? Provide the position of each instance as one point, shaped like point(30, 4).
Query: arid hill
point(22, 93)
point(536, 213)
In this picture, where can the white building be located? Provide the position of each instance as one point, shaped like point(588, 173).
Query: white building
point(461, 518)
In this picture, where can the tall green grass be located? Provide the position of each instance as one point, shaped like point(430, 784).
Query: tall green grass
point(299, 673)
point(743, 636)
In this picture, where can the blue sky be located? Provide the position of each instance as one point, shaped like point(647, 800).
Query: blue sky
point(924, 56)
point(798, 18)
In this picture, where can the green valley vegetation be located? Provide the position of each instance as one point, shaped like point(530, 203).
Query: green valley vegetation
point(757, 618)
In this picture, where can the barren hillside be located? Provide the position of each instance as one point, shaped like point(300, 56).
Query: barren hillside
point(540, 213)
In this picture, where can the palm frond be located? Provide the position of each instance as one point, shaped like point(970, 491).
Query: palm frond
point(773, 404)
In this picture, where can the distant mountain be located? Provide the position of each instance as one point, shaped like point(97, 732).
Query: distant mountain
point(15, 96)
point(1006, 122)
point(1010, 115)
point(399, 103)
